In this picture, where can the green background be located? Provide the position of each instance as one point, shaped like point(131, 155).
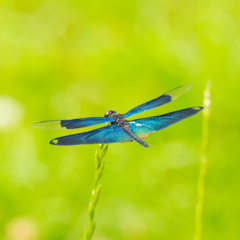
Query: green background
point(71, 59)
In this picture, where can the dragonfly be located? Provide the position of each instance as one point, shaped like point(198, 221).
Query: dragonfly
point(117, 128)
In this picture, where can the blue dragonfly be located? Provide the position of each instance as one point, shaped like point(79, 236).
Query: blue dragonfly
point(118, 128)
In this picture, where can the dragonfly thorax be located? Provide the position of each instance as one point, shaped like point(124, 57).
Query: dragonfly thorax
point(119, 118)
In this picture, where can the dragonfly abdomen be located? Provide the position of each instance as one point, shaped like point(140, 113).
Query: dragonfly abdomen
point(133, 136)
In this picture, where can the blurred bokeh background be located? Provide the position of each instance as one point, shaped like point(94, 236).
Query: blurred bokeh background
point(71, 59)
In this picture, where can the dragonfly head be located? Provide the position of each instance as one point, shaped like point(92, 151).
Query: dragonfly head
point(110, 113)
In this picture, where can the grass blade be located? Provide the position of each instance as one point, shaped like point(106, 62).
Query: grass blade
point(204, 163)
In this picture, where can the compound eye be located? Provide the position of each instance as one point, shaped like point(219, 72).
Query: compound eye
point(109, 113)
point(106, 114)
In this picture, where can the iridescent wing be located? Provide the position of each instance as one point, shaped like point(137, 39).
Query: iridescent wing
point(71, 124)
point(108, 134)
point(165, 98)
point(145, 126)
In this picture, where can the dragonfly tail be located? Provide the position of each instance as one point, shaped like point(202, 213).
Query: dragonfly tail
point(134, 137)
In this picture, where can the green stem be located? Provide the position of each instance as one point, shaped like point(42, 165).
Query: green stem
point(99, 164)
point(203, 162)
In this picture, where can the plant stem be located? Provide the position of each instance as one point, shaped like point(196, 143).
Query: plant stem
point(203, 162)
point(99, 164)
